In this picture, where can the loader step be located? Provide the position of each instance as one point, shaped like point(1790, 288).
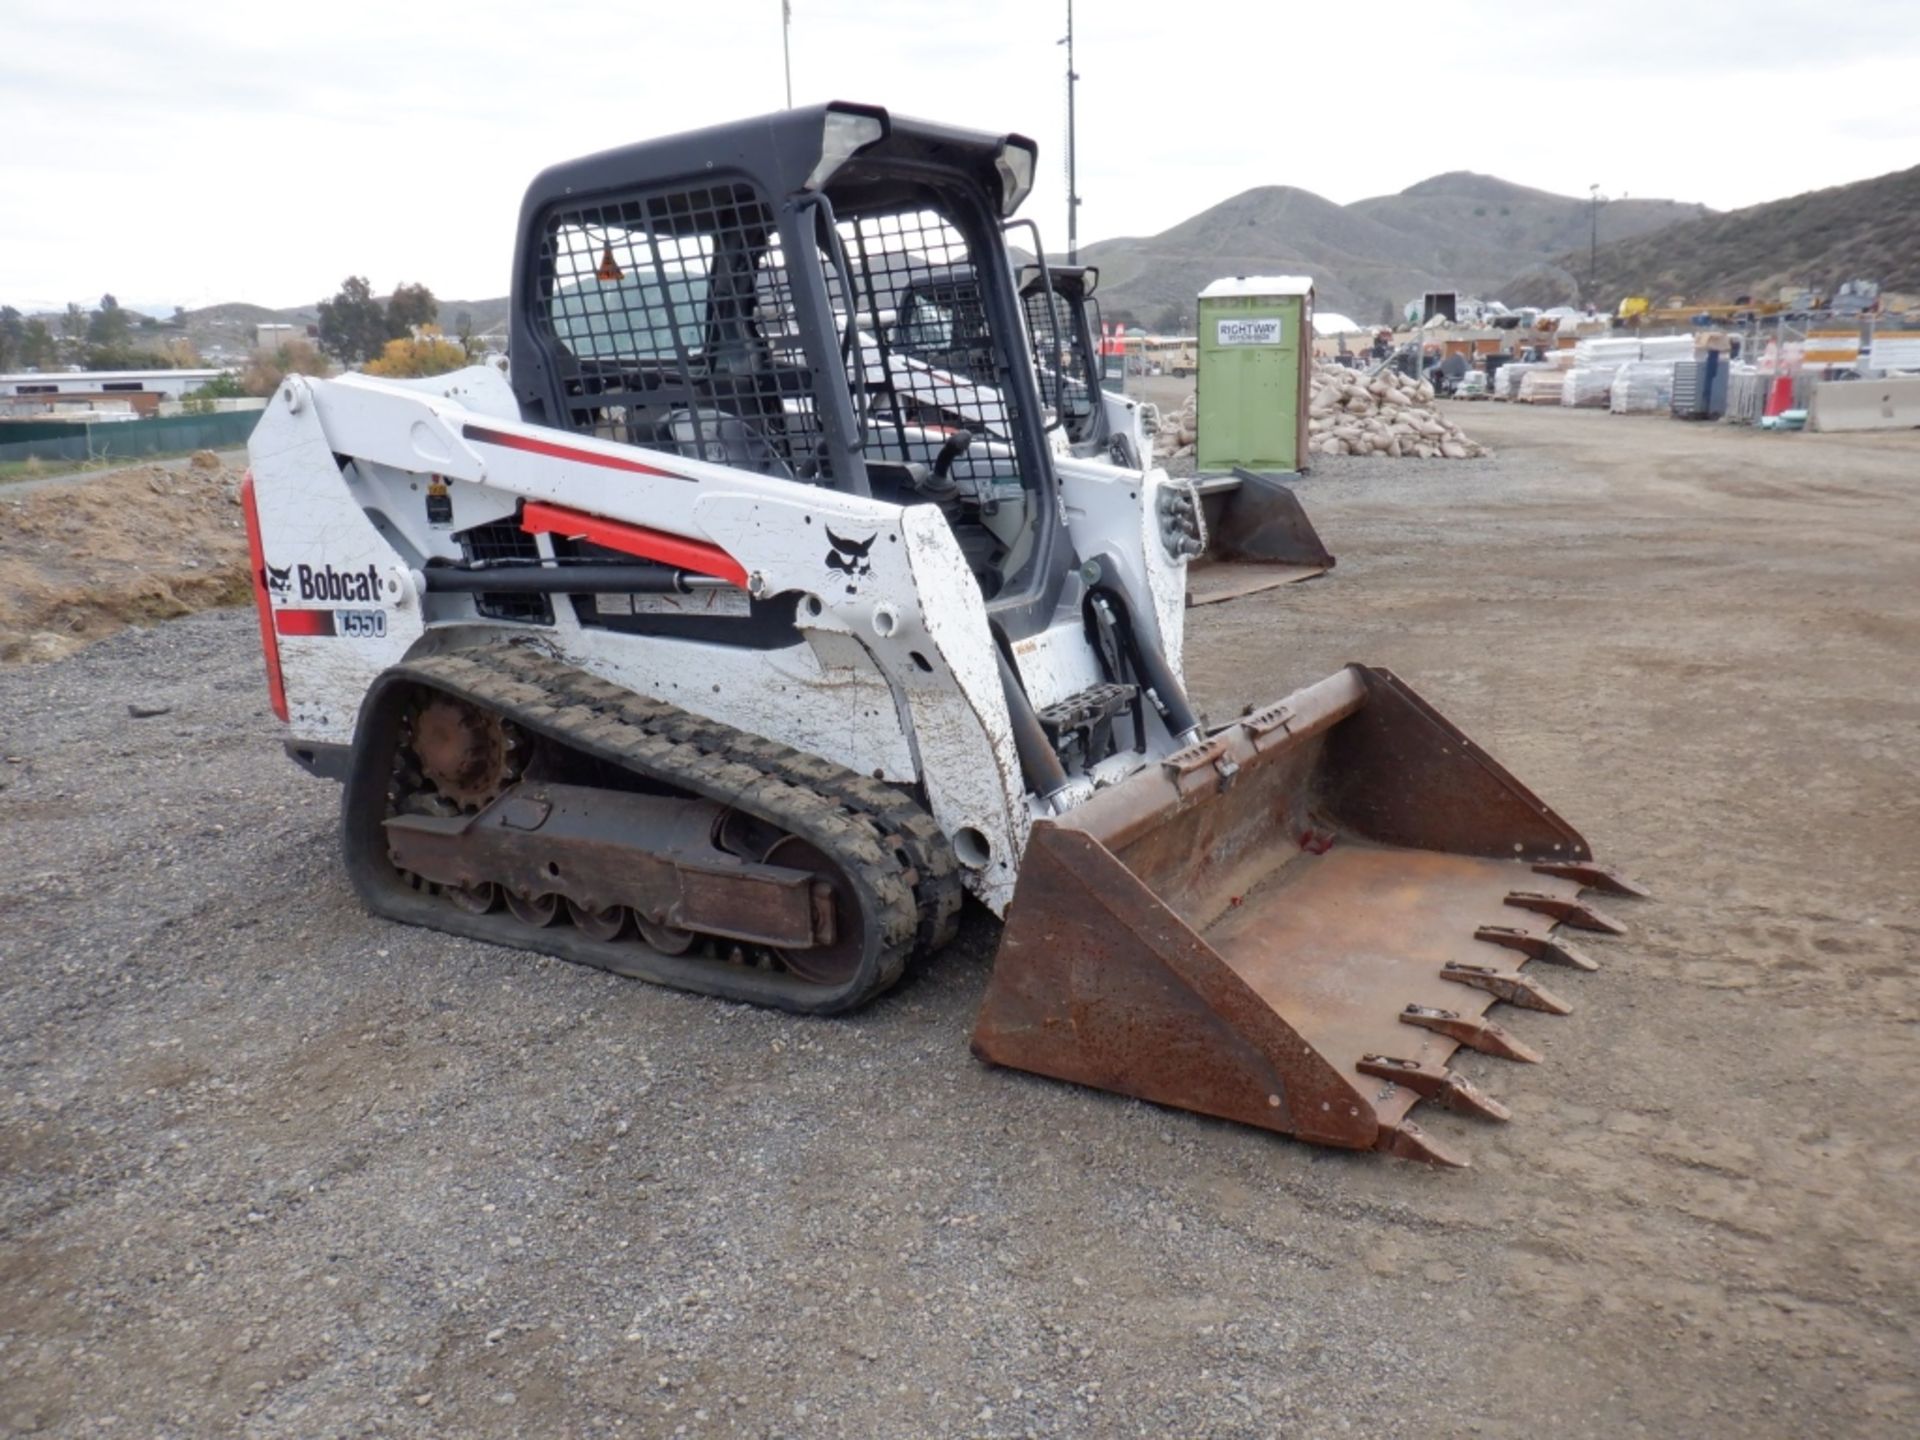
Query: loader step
point(701, 856)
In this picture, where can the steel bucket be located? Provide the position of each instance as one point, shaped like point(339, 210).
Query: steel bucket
point(1294, 923)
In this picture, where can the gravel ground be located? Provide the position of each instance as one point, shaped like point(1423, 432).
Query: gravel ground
point(270, 1168)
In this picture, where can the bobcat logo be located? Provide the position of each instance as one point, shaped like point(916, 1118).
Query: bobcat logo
point(280, 581)
point(849, 557)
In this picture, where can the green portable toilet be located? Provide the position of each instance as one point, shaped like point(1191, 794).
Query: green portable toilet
point(1256, 362)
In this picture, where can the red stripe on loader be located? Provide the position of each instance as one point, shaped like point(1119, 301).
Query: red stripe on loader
point(557, 451)
point(262, 602)
point(539, 518)
point(305, 622)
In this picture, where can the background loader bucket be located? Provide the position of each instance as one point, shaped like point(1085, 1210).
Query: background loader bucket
point(1293, 923)
point(1258, 537)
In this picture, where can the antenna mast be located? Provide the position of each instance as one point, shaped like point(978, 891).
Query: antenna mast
point(1073, 187)
point(786, 45)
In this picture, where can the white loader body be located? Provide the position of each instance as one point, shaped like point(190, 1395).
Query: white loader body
point(896, 676)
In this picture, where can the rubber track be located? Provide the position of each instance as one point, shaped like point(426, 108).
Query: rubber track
point(869, 827)
point(931, 868)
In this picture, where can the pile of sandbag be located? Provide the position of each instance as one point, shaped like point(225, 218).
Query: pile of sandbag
point(1386, 414)
point(1174, 438)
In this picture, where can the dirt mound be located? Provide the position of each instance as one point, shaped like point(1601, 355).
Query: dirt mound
point(81, 560)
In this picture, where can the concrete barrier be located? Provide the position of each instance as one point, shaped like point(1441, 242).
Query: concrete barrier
point(1840, 405)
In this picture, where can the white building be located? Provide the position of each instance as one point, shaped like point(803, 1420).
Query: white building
point(50, 384)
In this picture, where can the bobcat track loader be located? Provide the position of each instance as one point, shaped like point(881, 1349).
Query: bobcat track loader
point(680, 654)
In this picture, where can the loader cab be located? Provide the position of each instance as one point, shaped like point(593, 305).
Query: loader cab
point(940, 321)
point(736, 295)
point(1057, 303)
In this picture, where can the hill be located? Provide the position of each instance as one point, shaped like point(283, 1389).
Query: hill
point(1458, 231)
point(1455, 231)
point(1813, 240)
point(225, 332)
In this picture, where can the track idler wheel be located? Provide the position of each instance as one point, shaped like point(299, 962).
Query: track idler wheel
point(835, 963)
point(609, 923)
point(539, 911)
point(477, 899)
point(664, 938)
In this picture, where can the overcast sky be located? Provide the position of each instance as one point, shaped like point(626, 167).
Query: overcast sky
point(255, 151)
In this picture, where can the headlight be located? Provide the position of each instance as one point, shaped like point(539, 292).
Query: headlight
point(846, 133)
point(1015, 164)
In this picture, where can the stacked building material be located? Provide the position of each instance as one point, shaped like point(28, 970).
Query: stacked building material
point(1606, 350)
point(1747, 387)
point(1669, 349)
point(1643, 388)
point(1542, 386)
point(1586, 387)
point(1506, 384)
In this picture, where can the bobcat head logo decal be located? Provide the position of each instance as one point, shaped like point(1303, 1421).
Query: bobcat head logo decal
point(280, 581)
point(849, 557)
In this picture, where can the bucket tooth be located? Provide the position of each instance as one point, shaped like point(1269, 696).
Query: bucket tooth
point(1470, 1031)
point(1568, 912)
point(1435, 1083)
point(1593, 876)
point(1409, 1142)
point(1536, 947)
point(1515, 989)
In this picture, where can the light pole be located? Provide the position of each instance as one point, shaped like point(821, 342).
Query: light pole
point(1593, 242)
point(1073, 188)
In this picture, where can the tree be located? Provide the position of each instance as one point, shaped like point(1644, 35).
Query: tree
point(410, 358)
point(109, 325)
point(408, 306)
point(224, 386)
point(13, 337)
point(353, 326)
point(73, 324)
point(267, 368)
point(38, 349)
point(463, 332)
point(176, 353)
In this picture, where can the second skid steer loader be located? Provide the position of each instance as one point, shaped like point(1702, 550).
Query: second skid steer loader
point(1252, 532)
point(1255, 533)
point(708, 650)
